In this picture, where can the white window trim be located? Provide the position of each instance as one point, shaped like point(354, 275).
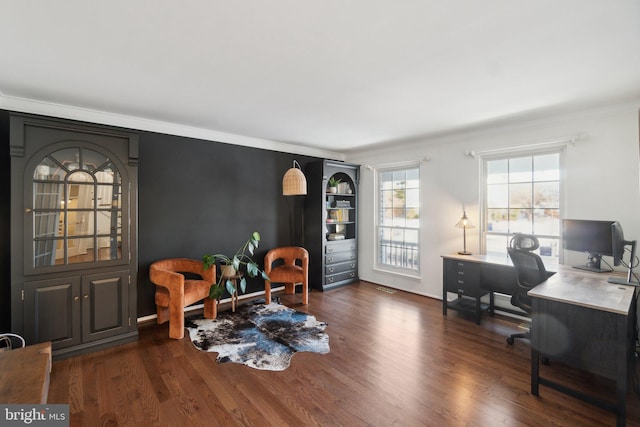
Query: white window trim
point(415, 274)
point(558, 146)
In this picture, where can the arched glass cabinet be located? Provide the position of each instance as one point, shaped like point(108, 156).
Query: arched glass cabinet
point(73, 238)
point(77, 208)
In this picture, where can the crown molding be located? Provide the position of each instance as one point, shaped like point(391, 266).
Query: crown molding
point(33, 106)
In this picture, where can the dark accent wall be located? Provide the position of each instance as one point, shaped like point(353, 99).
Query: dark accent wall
point(195, 197)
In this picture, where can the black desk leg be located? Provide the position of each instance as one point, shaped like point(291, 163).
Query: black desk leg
point(621, 387)
point(491, 303)
point(478, 311)
point(535, 370)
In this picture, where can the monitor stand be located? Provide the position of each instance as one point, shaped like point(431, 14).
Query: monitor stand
point(594, 264)
point(627, 280)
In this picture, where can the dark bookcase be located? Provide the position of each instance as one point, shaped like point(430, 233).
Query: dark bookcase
point(331, 224)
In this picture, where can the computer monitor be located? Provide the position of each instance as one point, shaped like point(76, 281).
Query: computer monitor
point(597, 238)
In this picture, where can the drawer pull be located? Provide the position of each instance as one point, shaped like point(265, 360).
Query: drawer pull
point(461, 264)
point(330, 269)
point(330, 279)
point(461, 282)
point(461, 273)
point(329, 259)
point(329, 250)
point(352, 274)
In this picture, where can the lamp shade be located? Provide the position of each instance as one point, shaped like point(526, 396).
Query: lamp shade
point(465, 222)
point(294, 182)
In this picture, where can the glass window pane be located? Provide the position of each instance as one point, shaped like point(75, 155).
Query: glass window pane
point(497, 171)
point(386, 180)
point(520, 169)
point(413, 178)
point(68, 216)
point(80, 250)
point(498, 220)
point(413, 198)
point(546, 222)
point(68, 157)
point(546, 167)
point(80, 223)
point(497, 244)
point(520, 195)
point(386, 217)
point(498, 196)
point(520, 221)
point(546, 194)
point(91, 160)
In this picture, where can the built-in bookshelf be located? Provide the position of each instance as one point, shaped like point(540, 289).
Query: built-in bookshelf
point(331, 219)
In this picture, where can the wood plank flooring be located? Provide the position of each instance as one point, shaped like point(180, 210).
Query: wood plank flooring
point(395, 360)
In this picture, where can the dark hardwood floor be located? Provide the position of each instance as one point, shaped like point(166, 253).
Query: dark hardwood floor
point(394, 361)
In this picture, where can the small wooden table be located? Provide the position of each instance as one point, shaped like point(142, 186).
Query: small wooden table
point(24, 374)
point(234, 297)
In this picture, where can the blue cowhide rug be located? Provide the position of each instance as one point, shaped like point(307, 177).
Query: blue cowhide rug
point(260, 336)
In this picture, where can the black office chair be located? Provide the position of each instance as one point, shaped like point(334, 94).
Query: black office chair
point(530, 272)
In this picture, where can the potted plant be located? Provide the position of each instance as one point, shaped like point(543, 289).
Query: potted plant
point(232, 265)
point(333, 184)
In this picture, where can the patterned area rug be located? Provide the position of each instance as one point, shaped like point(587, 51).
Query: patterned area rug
point(260, 336)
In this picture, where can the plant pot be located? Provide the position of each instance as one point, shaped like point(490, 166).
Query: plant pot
point(228, 271)
point(333, 190)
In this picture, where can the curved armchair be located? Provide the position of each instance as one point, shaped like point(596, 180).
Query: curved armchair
point(292, 267)
point(174, 291)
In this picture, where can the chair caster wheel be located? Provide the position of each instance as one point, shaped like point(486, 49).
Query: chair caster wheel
point(510, 341)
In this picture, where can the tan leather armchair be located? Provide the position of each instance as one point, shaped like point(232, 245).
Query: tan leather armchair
point(287, 270)
point(174, 291)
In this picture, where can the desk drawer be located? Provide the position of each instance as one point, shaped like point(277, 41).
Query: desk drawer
point(463, 278)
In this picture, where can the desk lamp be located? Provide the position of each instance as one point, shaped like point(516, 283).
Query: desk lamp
point(464, 223)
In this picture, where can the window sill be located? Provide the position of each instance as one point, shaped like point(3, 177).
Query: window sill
point(398, 272)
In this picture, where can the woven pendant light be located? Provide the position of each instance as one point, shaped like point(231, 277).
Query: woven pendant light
point(294, 182)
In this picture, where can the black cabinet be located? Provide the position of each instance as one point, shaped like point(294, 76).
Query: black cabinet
point(331, 223)
point(74, 234)
point(79, 312)
point(463, 278)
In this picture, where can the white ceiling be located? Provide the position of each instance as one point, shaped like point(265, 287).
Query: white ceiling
point(334, 74)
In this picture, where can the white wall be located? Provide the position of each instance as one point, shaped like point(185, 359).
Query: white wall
point(601, 181)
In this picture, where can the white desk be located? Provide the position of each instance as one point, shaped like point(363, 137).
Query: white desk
point(580, 319)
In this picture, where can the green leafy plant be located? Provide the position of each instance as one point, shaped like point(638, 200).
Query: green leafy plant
point(241, 258)
point(333, 182)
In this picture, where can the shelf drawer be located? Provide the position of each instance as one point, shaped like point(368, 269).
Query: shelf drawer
point(339, 268)
point(335, 278)
point(338, 257)
point(340, 246)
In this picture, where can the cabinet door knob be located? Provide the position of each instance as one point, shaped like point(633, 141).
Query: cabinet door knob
point(76, 298)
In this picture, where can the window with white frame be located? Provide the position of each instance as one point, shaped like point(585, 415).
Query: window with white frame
point(398, 221)
point(522, 195)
